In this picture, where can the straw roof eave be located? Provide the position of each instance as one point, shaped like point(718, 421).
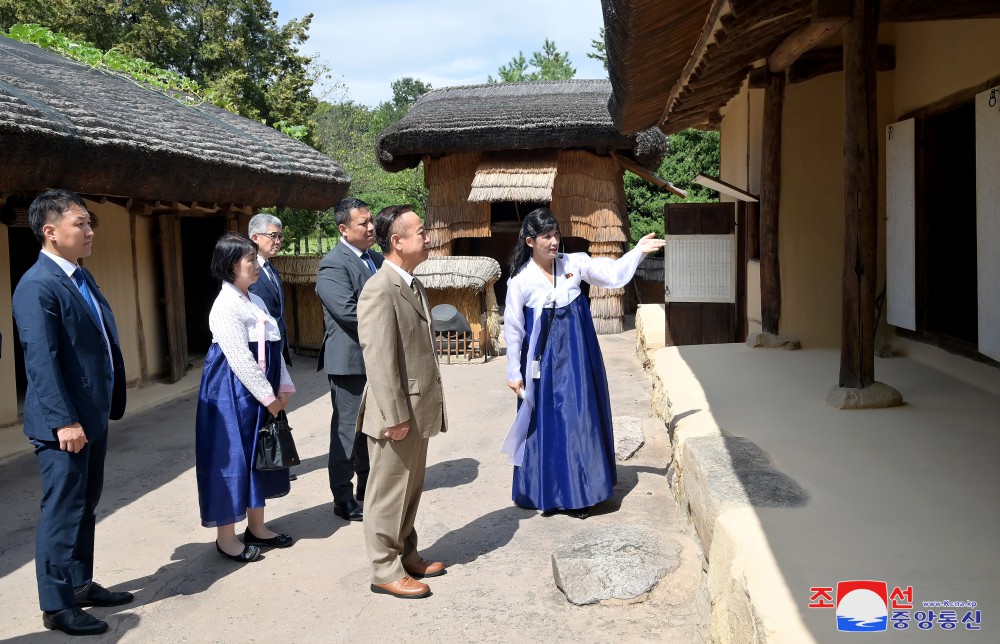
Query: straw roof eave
point(676, 63)
point(67, 125)
point(561, 115)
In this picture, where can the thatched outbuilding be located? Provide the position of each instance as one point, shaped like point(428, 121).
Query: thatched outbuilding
point(491, 153)
point(164, 179)
point(467, 284)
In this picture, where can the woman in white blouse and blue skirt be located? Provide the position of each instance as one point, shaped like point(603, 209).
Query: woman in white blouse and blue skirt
point(562, 441)
point(244, 377)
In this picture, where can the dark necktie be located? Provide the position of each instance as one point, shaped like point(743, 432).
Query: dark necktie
point(81, 284)
point(368, 261)
point(272, 275)
point(416, 290)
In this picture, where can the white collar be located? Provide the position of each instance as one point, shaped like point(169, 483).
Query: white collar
point(357, 251)
point(68, 267)
point(406, 276)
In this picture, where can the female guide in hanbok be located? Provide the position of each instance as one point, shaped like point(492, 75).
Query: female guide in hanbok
point(243, 378)
point(562, 442)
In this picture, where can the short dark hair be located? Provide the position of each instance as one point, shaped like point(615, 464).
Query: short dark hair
point(342, 211)
point(385, 223)
point(230, 249)
point(49, 207)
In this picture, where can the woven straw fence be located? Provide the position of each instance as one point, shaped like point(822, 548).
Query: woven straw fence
point(303, 308)
point(450, 214)
point(588, 198)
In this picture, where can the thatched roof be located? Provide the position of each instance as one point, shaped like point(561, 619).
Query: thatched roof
point(63, 124)
point(458, 271)
point(676, 63)
point(569, 114)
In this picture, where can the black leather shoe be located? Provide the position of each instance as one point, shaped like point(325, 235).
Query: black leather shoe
point(279, 541)
point(94, 594)
point(249, 554)
point(349, 510)
point(73, 621)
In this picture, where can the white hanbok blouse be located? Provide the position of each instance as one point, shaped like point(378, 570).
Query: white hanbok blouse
point(532, 288)
point(236, 321)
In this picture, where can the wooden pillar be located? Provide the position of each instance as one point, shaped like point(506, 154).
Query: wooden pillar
point(770, 194)
point(173, 294)
point(140, 334)
point(857, 349)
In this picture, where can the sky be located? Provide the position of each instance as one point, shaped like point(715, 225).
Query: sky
point(370, 43)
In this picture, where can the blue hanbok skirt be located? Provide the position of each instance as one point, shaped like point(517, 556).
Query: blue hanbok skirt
point(569, 452)
point(225, 439)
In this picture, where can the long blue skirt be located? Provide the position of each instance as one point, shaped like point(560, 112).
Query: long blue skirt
point(225, 439)
point(569, 452)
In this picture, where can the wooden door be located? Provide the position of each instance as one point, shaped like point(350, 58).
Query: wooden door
point(703, 254)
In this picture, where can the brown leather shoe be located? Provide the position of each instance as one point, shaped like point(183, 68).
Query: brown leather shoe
point(424, 568)
point(405, 588)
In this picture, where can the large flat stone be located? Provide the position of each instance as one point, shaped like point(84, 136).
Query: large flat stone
point(876, 396)
point(628, 436)
point(613, 563)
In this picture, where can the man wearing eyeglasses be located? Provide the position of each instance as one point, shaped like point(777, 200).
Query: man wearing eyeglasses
point(266, 231)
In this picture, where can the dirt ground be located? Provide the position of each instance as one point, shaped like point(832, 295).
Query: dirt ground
point(499, 586)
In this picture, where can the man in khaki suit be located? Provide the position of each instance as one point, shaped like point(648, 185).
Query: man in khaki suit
point(402, 405)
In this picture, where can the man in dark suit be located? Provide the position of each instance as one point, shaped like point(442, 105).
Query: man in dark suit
point(267, 232)
point(402, 406)
point(76, 383)
point(342, 274)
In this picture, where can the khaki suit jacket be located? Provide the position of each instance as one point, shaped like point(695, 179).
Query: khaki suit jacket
point(404, 382)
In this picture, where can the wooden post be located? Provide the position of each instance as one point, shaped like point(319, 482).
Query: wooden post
point(173, 291)
point(770, 194)
point(140, 334)
point(857, 350)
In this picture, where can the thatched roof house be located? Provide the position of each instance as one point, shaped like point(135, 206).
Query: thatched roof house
point(165, 179)
point(65, 124)
point(493, 152)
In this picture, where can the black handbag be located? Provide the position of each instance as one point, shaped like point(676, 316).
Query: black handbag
point(275, 446)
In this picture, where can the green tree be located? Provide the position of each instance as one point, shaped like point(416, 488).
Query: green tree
point(347, 131)
point(600, 50)
point(691, 152)
point(548, 64)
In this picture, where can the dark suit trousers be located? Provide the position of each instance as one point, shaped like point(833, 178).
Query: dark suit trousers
point(64, 544)
point(348, 448)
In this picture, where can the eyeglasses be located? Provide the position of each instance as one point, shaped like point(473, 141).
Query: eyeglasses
point(274, 236)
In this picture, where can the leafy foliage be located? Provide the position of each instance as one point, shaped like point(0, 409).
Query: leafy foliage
point(548, 64)
point(691, 152)
point(600, 50)
point(170, 82)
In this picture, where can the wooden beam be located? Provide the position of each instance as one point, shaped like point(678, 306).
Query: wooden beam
point(639, 171)
point(831, 60)
point(800, 41)
point(920, 10)
point(728, 189)
point(770, 196)
point(857, 343)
